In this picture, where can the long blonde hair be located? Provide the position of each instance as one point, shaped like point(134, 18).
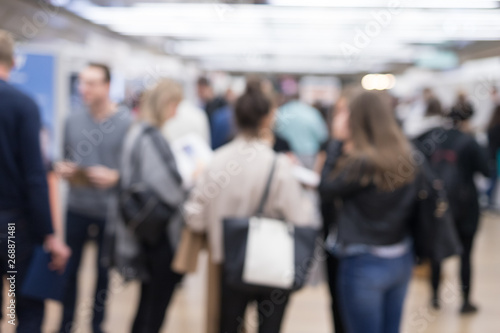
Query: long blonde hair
point(381, 154)
point(154, 101)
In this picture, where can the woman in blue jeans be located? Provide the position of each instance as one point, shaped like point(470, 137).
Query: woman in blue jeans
point(370, 170)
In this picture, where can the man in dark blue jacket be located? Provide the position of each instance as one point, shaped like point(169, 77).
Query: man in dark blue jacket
point(25, 218)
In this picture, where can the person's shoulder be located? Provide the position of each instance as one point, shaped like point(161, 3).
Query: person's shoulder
point(124, 115)
point(284, 162)
point(17, 97)
point(77, 114)
point(463, 142)
point(9, 90)
point(241, 149)
point(226, 150)
point(433, 133)
point(460, 136)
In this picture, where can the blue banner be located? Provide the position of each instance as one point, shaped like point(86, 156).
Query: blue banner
point(35, 75)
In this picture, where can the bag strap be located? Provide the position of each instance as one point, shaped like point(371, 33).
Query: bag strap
point(134, 158)
point(161, 147)
point(165, 152)
point(267, 189)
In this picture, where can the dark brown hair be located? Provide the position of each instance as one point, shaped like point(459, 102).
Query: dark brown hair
point(203, 81)
point(495, 118)
point(252, 107)
point(105, 70)
point(434, 107)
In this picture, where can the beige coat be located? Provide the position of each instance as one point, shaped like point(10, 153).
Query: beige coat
point(232, 186)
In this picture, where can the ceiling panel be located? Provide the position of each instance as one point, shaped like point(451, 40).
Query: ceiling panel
point(333, 35)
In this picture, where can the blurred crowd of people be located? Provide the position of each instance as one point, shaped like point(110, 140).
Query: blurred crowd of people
point(152, 188)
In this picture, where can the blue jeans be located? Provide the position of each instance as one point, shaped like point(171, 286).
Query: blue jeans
point(372, 292)
point(77, 226)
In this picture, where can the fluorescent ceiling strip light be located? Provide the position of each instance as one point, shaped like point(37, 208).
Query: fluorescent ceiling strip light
point(457, 4)
point(251, 13)
point(346, 35)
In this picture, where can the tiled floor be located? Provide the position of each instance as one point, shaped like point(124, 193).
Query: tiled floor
point(308, 310)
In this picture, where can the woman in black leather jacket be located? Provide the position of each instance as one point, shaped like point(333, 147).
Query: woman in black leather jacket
point(370, 168)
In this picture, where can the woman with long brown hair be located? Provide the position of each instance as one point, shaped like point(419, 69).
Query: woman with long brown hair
point(369, 168)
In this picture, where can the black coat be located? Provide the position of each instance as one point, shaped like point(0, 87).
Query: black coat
point(470, 160)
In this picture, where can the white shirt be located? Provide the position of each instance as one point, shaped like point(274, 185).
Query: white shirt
point(189, 119)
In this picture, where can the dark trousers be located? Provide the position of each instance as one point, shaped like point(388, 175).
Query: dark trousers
point(29, 312)
point(77, 226)
point(467, 240)
point(156, 293)
point(270, 306)
point(332, 268)
point(490, 192)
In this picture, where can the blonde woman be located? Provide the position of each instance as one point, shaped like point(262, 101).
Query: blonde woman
point(148, 160)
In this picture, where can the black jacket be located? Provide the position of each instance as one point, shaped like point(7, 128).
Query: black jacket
point(470, 159)
point(368, 215)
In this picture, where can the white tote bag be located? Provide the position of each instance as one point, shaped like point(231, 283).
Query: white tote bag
point(270, 253)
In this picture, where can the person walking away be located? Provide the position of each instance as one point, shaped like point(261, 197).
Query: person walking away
point(456, 158)
point(24, 200)
point(373, 241)
point(92, 145)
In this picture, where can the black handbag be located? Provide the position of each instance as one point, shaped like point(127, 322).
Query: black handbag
point(236, 231)
point(142, 210)
point(433, 229)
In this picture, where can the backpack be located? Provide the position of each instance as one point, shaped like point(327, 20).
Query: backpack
point(434, 234)
point(444, 161)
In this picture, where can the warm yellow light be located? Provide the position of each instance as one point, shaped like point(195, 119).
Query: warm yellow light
point(378, 81)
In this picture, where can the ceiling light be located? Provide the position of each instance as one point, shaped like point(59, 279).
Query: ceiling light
point(462, 4)
point(378, 81)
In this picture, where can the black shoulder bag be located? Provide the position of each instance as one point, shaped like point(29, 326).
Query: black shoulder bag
point(236, 236)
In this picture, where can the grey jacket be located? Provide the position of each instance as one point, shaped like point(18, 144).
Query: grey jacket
point(123, 250)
